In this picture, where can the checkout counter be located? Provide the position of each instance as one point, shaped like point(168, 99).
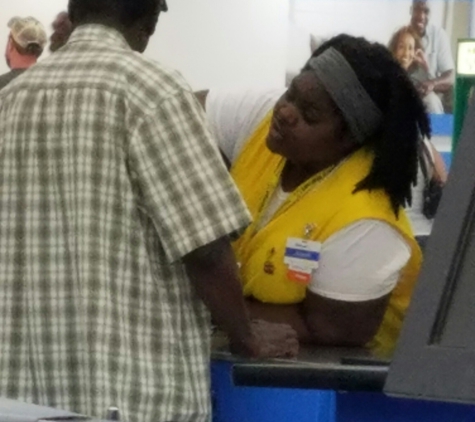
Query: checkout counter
point(321, 385)
point(431, 376)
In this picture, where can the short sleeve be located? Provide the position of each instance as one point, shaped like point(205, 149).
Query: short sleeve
point(445, 60)
point(361, 262)
point(235, 114)
point(181, 180)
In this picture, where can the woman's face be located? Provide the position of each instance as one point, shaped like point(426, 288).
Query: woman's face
point(307, 127)
point(405, 50)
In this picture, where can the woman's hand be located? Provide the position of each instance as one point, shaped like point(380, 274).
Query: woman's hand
point(421, 59)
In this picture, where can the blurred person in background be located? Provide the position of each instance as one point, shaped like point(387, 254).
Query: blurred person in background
point(26, 42)
point(436, 45)
point(406, 47)
point(62, 29)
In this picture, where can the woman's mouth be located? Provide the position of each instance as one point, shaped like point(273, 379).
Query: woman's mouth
point(275, 128)
point(275, 138)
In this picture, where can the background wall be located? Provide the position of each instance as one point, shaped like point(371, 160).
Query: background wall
point(212, 42)
point(225, 42)
point(217, 43)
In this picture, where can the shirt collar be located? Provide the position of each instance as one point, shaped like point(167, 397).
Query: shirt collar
point(100, 34)
point(426, 35)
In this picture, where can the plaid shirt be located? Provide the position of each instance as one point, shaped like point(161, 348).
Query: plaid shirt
point(108, 177)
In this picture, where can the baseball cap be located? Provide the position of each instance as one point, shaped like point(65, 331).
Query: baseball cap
point(27, 31)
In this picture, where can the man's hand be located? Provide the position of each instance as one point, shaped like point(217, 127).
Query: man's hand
point(269, 340)
point(213, 271)
point(426, 87)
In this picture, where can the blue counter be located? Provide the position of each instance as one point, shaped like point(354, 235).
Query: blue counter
point(322, 385)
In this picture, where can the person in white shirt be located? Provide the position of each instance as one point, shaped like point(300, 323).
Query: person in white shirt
point(436, 45)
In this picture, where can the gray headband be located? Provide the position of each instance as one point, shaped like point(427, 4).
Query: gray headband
point(339, 79)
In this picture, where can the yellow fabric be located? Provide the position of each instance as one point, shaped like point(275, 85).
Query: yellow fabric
point(329, 206)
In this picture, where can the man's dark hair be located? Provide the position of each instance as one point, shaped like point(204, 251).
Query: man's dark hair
point(124, 12)
point(405, 122)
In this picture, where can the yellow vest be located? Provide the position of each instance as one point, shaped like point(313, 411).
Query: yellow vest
point(328, 207)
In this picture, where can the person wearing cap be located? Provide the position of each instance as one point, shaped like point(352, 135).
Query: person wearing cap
point(25, 45)
point(326, 169)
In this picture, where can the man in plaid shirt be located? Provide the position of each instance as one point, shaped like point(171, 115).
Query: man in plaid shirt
point(115, 215)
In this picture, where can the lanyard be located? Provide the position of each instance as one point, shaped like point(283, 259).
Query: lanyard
point(298, 193)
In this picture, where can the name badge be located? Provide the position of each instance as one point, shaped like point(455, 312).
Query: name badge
point(302, 258)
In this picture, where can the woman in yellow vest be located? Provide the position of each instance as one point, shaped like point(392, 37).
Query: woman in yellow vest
point(326, 170)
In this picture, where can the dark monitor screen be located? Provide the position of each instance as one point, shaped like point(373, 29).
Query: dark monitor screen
point(435, 356)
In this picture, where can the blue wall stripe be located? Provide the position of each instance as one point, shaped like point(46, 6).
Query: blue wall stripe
point(442, 124)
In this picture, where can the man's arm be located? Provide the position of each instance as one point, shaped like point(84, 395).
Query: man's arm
point(213, 272)
point(445, 65)
point(441, 84)
point(194, 205)
point(444, 82)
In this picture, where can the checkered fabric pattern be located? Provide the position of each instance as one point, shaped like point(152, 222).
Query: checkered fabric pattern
point(108, 176)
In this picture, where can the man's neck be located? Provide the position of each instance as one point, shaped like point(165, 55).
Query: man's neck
point(19, 61)
point(421, 35)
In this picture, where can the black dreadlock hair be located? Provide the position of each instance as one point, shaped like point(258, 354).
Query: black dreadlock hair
point(396, 142)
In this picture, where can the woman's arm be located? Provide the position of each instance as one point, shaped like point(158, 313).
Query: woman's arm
point(349, 292)
point(440, 171)
point(326, 322)
point(334, 322)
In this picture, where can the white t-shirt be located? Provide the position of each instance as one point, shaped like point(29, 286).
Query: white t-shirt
point(437, 49)
point(360, 262)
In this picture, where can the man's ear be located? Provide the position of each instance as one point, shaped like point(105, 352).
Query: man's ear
point(10, 45)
